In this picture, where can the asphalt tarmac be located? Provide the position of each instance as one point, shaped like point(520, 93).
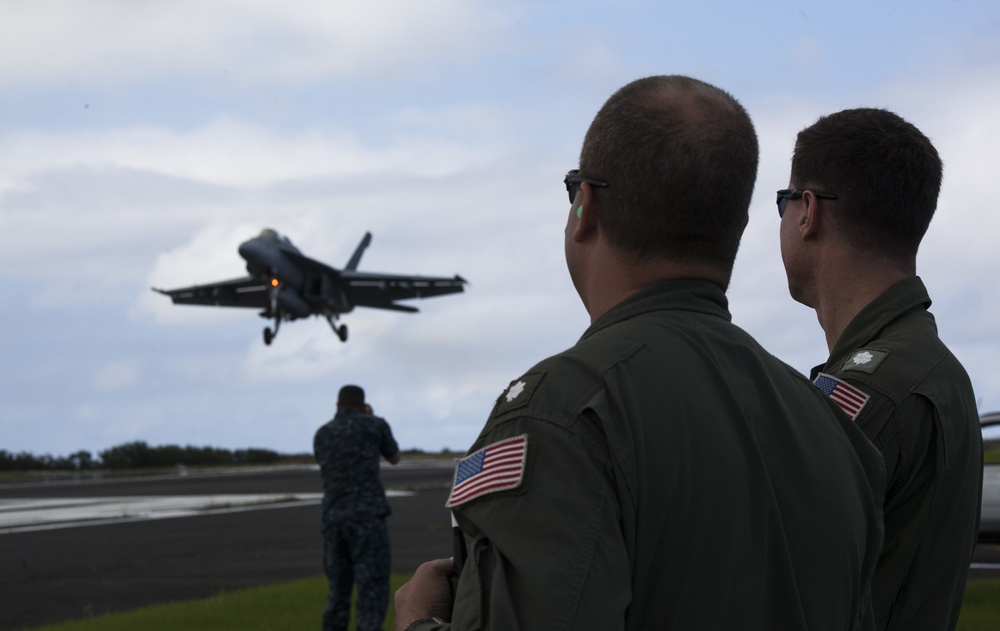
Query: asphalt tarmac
point(51, 573)
point(68, 561)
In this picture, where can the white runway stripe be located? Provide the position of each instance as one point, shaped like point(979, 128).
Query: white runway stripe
point(26, 515)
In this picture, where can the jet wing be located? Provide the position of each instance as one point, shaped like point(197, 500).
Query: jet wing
point(239, 292)
point(381, 291)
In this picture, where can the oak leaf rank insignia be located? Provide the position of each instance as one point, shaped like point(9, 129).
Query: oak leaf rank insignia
point(865, 360)
point(518, 394)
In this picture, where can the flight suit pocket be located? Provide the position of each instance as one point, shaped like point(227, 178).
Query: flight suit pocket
point(472, 598)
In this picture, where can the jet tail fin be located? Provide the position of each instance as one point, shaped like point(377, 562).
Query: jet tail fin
point(356, 257)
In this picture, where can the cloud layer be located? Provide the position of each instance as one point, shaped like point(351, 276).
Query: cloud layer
point(444, 129)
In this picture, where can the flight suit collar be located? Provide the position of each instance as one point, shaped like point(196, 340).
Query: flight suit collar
point(680, 295)
point(898, 301)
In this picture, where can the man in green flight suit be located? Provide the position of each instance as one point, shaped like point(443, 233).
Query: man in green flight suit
point(864, 186)
point(665, 472)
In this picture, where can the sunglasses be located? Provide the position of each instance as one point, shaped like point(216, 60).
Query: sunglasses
point(573, 180)
point(786, 194)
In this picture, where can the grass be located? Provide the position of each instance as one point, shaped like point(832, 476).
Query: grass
point(295, 605)
point(981, 607)
point(299, 605)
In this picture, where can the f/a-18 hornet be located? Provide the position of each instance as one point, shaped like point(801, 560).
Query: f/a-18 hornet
point(287, 285)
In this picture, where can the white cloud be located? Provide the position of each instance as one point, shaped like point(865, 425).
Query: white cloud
point(59, 41)
point(807, 54)
point(223, 153)
point(758, 294)
point(116, 376)
point(76, 205)
point(210, 256)
point(957, 259)
point(460, 175)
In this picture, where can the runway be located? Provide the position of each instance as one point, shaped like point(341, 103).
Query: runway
point(97, 546)
point(78, 548)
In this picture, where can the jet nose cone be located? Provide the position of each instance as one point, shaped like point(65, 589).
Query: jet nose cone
point(247, 248)
point(254, 254)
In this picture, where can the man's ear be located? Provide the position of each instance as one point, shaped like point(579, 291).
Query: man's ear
point(811, 218)
point(585, 211)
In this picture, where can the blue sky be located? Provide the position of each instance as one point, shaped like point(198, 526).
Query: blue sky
point(141, 142)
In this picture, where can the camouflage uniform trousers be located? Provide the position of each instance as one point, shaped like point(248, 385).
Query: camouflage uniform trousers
point(357, 551)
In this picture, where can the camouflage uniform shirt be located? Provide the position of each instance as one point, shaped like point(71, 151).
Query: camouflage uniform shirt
point(348, 450)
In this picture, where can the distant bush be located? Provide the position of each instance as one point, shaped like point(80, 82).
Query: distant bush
point(138, 455)
point(24, 461)
point(420, 453)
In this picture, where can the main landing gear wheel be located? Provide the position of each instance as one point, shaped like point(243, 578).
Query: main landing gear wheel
point(269, 335)
point(341, 330)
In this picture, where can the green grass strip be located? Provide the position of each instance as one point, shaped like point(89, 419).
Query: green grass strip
point(299, 605)
point(295, 605)
point(981, 607)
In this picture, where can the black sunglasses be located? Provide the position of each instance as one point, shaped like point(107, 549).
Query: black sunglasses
point(786, 194)
point(573, 180)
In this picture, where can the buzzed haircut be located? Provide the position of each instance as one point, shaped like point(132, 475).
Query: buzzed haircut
point(680, 157)
point(351, 396)
point(885, 172)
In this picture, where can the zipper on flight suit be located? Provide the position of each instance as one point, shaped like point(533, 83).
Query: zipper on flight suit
point(483, 553)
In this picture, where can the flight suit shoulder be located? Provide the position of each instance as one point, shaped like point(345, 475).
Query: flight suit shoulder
point(562, 385)
point(541, 409)
point(894, 364)
point(906, 369)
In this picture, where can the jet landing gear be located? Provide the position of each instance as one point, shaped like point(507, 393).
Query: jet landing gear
point(341, 330)
point(269, 335)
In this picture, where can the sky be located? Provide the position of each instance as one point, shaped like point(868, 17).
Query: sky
point(141, 142)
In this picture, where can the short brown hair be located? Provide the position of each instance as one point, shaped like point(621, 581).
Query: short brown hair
point(351, 396)
point(885, 173)
point(680, 157)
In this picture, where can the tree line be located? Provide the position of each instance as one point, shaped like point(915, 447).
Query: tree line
point(137, 455)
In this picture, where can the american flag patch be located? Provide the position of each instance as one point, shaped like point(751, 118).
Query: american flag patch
point(496, 467)
point(849, 398)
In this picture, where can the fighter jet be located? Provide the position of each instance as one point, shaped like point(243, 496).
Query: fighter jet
point(287, 285)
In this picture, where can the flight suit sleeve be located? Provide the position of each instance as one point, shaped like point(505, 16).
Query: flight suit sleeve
point(910, 443)
point(549, 554)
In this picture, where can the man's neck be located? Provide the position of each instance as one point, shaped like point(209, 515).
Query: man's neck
point(616, 280)
point(844, 290)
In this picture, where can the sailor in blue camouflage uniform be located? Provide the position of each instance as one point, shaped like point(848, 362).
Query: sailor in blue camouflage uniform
point(355, 535)
point(863, 189)
point(665, 472)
